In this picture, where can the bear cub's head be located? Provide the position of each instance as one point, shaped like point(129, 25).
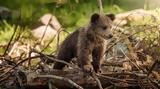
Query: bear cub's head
point(102, 25)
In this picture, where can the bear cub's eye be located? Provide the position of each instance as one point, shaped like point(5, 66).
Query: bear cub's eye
point(104, 28)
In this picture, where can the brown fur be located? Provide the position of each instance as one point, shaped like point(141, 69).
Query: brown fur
point(87, 43)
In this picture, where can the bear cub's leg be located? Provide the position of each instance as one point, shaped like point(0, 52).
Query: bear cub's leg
point(97, 57)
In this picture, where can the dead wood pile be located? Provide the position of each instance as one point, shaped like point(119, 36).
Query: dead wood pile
point(128, 73)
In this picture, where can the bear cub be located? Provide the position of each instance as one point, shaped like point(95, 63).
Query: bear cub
point(87, 44)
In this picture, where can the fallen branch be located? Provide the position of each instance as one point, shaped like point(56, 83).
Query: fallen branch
point(97, 80)
point(61, 78)
point(18, 64)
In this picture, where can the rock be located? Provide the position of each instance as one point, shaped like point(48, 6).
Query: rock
point(5, 14)
point(53, 21)
point(48, 32)
point(134, 15)
point(48, 25)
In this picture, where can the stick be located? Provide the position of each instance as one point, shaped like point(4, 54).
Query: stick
point(17, 65)
point(97, 80)
point(100, 6)
point(56, 60)
point(46, 29)
point(15, 30)
point(130, 60)
point(61, 78)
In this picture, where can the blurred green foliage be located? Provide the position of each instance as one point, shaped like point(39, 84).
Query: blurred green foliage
point(71, 14)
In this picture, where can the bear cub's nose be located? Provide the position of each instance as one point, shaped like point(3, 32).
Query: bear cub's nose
point(110, 36)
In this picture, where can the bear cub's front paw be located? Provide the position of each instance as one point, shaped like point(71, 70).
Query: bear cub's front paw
point(87, 68)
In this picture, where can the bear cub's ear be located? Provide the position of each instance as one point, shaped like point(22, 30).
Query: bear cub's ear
point(111, 16)
point(94, 18)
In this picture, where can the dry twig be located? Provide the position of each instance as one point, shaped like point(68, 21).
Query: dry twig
point(61, 78)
